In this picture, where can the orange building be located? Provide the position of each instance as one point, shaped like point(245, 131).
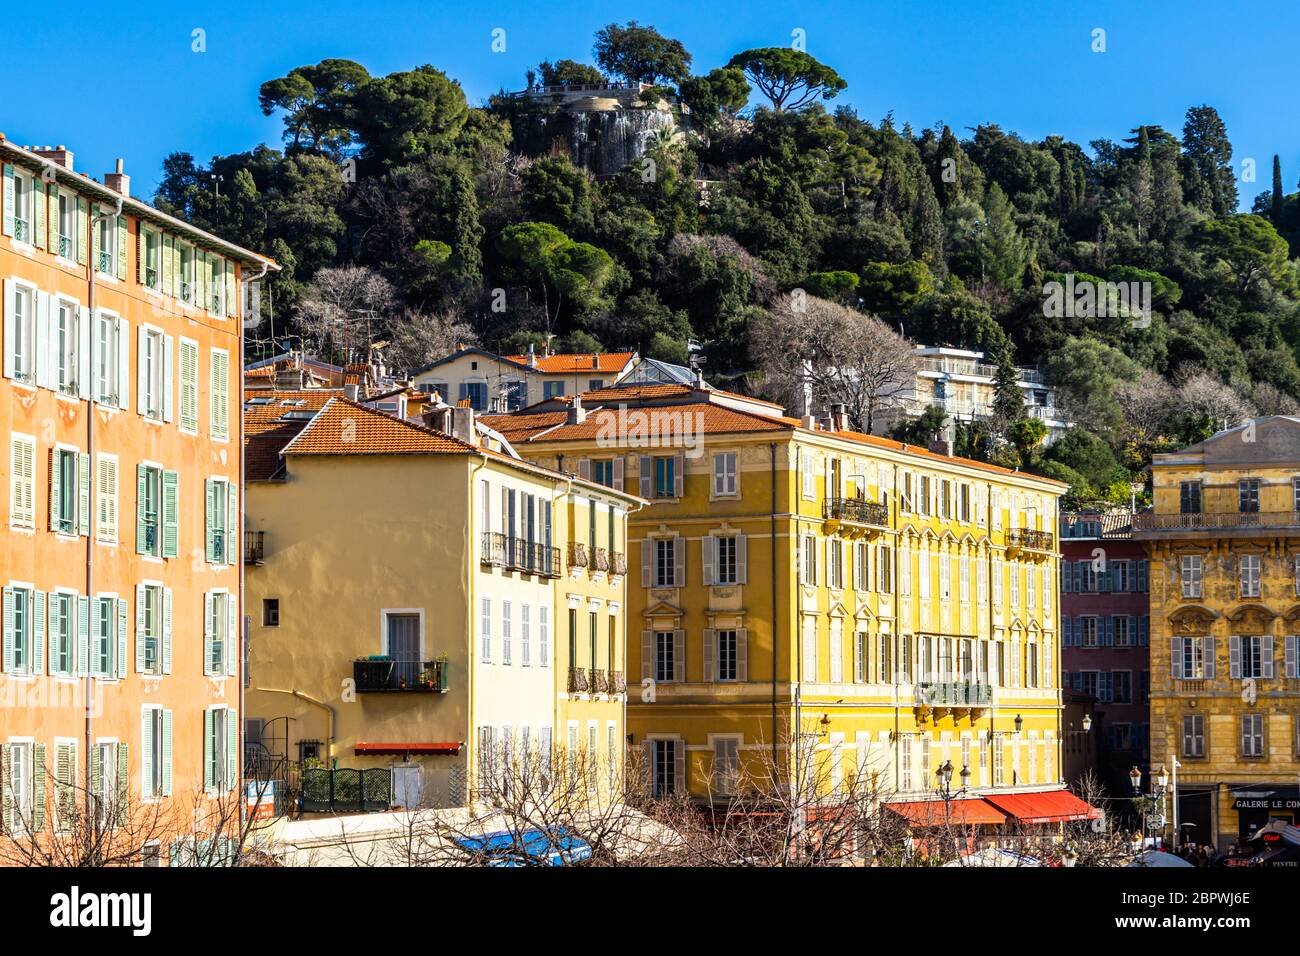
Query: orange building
point(120, 539)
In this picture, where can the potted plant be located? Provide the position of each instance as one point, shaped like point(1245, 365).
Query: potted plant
point(427, 678)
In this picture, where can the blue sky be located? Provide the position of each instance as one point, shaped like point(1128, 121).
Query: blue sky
point(128, 83)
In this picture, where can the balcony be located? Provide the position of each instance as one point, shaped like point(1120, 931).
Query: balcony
point(22, 230)
point(214, 304)
point(617, 682)
point(577, 554)
point(105, 262)
point(617, 562)
point(254, 547)
point(600, 560)
point(599, 681)
point(377, 675)
point(1197, 524)
point(1027, 539)
point(151, 277)
point(578, 683)
point(65, 247)
point(870, 514)
point(955, 694)
point(518, 554)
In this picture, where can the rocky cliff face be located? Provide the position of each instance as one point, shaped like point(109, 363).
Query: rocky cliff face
point(602, 141)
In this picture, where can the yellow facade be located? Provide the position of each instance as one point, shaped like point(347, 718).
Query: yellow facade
point(1224, 539)
point(450, 559)
point(895, 606)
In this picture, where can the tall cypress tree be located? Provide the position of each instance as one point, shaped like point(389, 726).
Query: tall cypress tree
point(1277, 191)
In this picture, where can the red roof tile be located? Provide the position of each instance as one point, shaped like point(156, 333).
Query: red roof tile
point(577, 362)
point(346, 428)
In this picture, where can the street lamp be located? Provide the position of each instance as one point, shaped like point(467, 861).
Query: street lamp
point(1019, 722)
point(1087, 722)
point(1151, 805)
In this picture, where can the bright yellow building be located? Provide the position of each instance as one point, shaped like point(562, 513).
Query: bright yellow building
point(898, 605)
point(1224, 539)
point(411, 604)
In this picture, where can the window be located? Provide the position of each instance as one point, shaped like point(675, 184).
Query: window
point(24, 613)
point(62, 624)
point(108, 636)
point(476, 393)
point(20, 332)
point(270, 612)
point(835, 563)
point(726, 764)
point(106, 242)
point(24, 205)
point(151, 257)
point(189, 385)
point(665, 660)
point(67, 347)
point(1191, 574)
point(221, 515)
point(1189, 497)
point(665, 567)
point(220, 389)
point(69, 475)
point(111, 360)
point(71, 238)
point(725, 556)
point(1190, 658)
point(552, 389)
point(543, 636)
point(1122, 624)
point(220, 743)
point(22, 482)
point(1295, 494)
point(104, 782)
point(724, 474)
point(485, 630)
point(220, 634)
point(1252, 735)
point(1249, 575)
point(808, 566)
point(664, 766)
point(152, 629)
point(507, 625)
point(665, 476)
point(885, 569)
point(1248, 495)
point(1121, 684)
point(156, 755)
point(1088, 636)
point(602, 471)
point(155, 366)
point(1252, 656)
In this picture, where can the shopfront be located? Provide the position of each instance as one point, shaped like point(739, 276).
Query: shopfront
point(1258, 804)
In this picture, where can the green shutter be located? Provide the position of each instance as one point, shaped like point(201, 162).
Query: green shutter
point(96, 772)
point(167, 630)
point(38, 210)
point(6, 787)
point(83, 635)
point(232, 749)
point(168, 275)
point(209, 521)
point(230, 288)
point(123, 781)
point(232, 520)
point(171, 516)
point(141, 625)
point(8, 227)
point(56, 488)
point(209, 631)
point(121, 247)
point(37, 649)
point(38, 787)
point(141, 496)
point(83, 497)
point(146, 752)
point(8, 629)
point(167, 754)
point(122, 615)
point(64, 807)
point(81, 230)
point(209, 756)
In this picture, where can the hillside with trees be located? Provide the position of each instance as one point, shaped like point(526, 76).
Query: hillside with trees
point(394, 203)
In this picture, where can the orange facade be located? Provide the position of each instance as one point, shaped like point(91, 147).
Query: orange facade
point(120, 542)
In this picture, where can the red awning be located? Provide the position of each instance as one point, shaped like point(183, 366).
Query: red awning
point(450, 748)
point(1051, 806)
point(934, 813)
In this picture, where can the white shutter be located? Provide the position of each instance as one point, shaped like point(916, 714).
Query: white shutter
point(1290, 657)
point(169, 346)
point(679, 469)
point(140, 629)
point(207, 633)
point(1209, 657)
point(11, 326)
point(1266, 657)
point(42, 343)
point(1234, 657)
point(231, 646)
point(146, 750)
point(141, 374)
point(167, 631)
point(123, 364)
point(84, 339)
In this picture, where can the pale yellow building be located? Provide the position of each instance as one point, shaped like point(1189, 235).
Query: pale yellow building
point(496, 383)
point(410, 596)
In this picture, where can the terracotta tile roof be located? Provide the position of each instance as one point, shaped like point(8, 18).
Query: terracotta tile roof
point(523, 427)
point(889, 443)
point(267, 430)
point(346, 428)
point(617, 393)
point(577, 362)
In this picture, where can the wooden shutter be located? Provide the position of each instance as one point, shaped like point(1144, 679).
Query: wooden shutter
point(647, 477)
point(742, 559)
point(122, 239)
point(36, 652)
point(647, 562)
point(710, 654)
point(81, 230)
point(122, 615)
point(679, 475)
point(8, 630)
point(1266, 657)
point(168, 405)
point(232, 749)
point(38, 787)
point(83, 494)
point(1176, 657)
point(170, 514)
point(1209, 657)
point(647, 655)
point(9, 203)
point(123, 782)
point(208, 635)
point(1234, 657)
point(167, 753)
point(679, 766)
point(742, 654)
point(584, 468)
point(146, 750)
point(167, 630)
point(708, 548)
point(679, 656)
point(1289, 656)
point(83, 635)
point(679, 562)
point(230, 289)
point(41, 345)
point(209, 521)
point(141, 497)
point(209, 757)
point(618, 473)
point(232, 522)
point(38, 211)
point(140, 629)
point(230, 646)
point(84, 377)
point(124, 364)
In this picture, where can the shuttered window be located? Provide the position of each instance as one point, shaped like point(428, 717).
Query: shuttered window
point(189, 372)
point(22, 482)
point(219, 388)
point(221, 518)
point(106, 500)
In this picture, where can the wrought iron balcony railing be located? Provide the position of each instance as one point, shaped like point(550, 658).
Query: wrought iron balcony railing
point(1027, 538)
point(578, 680)
point(382, 675)
point(22, 230)
point(105, 262)
point(151, 277)
point(857, 511)
point(617, 682)
point(599, 681)
point(519, 554)
point(65, 247)
point(954, 694)
point(617, 562)
point(600, 559)
point(254, 547)
point(577, 554)
point(1151, 522)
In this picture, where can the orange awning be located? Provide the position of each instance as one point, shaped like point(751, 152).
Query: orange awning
point(449, 748)
point(935, 813)
point(1051, 806)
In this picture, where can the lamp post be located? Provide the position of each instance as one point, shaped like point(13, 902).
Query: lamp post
point(1073, 735)
point(1152, 804)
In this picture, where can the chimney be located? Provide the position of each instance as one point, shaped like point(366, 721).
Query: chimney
point(462, 425)
point(840, 417)
point(118, 181)
point(576, 414)
point(940, 445)
point(595, 360)
point(439, 418)
point(59, 155)
point(460, 346)
point(352, 392)
point(532, 356)
point(289, 379)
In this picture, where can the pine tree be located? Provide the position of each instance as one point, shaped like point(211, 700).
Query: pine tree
point(1008, 400)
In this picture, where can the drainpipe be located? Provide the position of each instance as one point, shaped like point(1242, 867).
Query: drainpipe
point(772, 448)
point(329, 714)
point(88, 681)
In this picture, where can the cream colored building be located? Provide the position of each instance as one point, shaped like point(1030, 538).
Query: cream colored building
point(491, 382)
